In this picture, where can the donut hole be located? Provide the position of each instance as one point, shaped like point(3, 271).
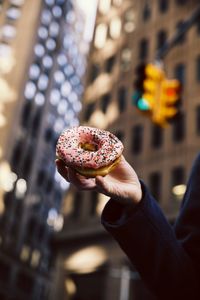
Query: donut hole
point(89, 146)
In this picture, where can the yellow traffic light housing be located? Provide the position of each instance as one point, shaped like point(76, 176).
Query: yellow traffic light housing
point(155, 94)
point(166, 108)
point(152, 82)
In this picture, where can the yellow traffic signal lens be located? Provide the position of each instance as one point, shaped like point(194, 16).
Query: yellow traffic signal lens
point(154, 72)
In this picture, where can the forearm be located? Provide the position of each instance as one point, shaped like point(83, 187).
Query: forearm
point(150, 243)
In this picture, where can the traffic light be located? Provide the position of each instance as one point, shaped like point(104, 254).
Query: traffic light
point(137, 97)
point(148, 79)
point(152, 83)
point(167, 106)
point(155, 95)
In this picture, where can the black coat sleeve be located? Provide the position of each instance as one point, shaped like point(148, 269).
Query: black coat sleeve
point(187, 225)
point(159, 253)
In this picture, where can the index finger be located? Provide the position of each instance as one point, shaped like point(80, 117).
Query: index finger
point(80, 181)
point(62, 169)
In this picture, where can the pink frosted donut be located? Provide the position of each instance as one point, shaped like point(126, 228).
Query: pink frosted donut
point(91, 151)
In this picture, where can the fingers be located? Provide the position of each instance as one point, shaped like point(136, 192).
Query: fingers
point(102, 185)
point(73, 177)
point(80, 181)
point(62, 169)
point(100, 182)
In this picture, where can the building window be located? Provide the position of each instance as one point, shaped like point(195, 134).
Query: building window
point(155, 185)
point(180, 27)
point(181, 2)
point(163, 5)
point(198, 119)
point(26, 114)
point(41, 177)
point(178, 176)
point(198, 69)
point(58, 196)
point(8, 202)
point(94, 72)
point(129, 23)
point(146, 12)
point(28, 160)
point(179, 73)
point(137, 135)
point(161, 38)
point(41, 232)
point(100, 35)
point(89, 110)
point(157, 136)
point(143, 49)
point(14, 227)
point(178, 129)
point(31, 228)
point(36, 122)
point(17, 154)
point(104, 6)
point(122, 98)
point(178, 186)
point(198, 26)
point(8, 32)
point(115, 28)
point(49, 185)
point(109, 64)
point(48, 134)
point(19, 209)
point(105, 101)
point(126, 57)
point(13, 13)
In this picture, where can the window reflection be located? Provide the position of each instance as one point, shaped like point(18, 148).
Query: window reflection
point(13, 13)
point(8, 31)
point(129, 24)
point(115, 28)
point(17, 2)
point(100, 35)
point(104, 6)
point(30, 90)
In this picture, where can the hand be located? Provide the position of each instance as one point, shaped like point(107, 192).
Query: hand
point(121, 184)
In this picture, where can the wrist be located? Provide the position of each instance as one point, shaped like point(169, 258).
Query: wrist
point(136, 193)
point(131, 198)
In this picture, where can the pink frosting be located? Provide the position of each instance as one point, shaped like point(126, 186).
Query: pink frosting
point(107, 147)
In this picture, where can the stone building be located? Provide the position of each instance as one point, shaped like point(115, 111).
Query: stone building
point(42, 61)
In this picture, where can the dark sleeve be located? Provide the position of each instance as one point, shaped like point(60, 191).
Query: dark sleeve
point(187, 226)
point(149, 241)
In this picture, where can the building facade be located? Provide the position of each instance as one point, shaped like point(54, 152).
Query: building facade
point(42, 58)
point(127, 33)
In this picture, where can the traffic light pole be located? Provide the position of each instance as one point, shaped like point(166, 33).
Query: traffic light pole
point(179, 33)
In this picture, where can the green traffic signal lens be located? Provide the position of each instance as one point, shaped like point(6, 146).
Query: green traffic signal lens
point(143, 105)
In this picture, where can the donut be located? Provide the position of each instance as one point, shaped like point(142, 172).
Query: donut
point(90, 151)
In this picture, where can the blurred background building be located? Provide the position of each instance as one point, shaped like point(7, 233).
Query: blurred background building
point(126, 33)
point(43, 48)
